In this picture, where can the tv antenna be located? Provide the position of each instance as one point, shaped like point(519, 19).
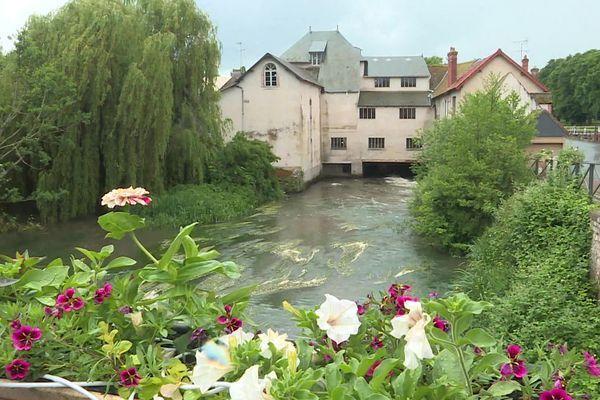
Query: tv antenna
point(241, 54)
point(523, 45)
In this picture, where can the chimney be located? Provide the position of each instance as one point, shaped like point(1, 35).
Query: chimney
point(535, 71)
point(452, 57)
point(236, 73)
point(525, 63)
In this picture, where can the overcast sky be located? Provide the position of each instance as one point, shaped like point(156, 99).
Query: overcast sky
point(552, 28)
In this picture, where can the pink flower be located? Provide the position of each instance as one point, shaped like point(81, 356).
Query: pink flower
point(15, 324)
point(121, 197)
point(592, 367)
point(126, 310)
point(361, 309)
point(376, 343)
point(68, 302)
point(130, 377)
point(56, 312)
point(102, 293)
point(400, 307)
point(397, 289)
point(231, 324)
point(24, 337)
point(18, 369)
point(555, 394)
point(371, 370)
point(516, 367)
point(441, 324)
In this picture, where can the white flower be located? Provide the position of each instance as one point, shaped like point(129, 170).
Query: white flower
point(412, 327)
point(339, 318)
point(211, 364)
point(279, 341)
point(249, 387)
point(237, 337)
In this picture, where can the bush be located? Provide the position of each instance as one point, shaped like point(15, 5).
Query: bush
point(206, 204)
point(533, 265)
point(469, 164)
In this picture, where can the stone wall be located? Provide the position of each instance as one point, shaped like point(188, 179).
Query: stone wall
point(595, 256)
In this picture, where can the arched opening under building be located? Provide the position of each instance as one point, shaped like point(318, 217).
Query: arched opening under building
point(379, 169)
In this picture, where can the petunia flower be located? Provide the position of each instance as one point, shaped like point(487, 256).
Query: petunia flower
point(236, 337)
point(199, 335)
point(231, 323)
point(122, 197)
point(102, 293)
point(371, 370)
point(18, 369)
point(279, 341)
point(376, 343)
point(212, 363)
point(24, 337)
point(339, 318)
point(130, 377)
point(56, 312)
point(441, 324)
point(411, 326)
point(592, 367)
point(125, 310)
point(249, 387)
point(15, 324)
point(68, 302)
point(555, 394)
point(515, 367)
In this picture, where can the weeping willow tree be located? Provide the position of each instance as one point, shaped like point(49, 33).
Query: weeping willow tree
point(144, 107)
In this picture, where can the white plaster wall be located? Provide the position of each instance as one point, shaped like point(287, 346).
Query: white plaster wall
point(279, 115)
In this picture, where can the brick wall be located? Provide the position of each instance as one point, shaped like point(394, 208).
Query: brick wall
point(595, 257)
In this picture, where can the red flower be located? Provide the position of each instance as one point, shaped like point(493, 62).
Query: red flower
point(371, 370)
point(130, 377)
point(441, 324)
point(231, 324)
point(68, 302)
point(24, 337)
point(555, 394)
point(18, 369)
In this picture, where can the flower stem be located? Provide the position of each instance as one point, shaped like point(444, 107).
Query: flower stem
point(142, 248)
point(461, 360)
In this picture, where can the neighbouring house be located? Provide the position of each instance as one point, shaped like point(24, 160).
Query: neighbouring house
point(327, 109)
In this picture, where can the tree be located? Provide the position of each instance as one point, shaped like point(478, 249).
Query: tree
point(575, 85)
point(434, 60)
point(145, 108)
point(469, 164)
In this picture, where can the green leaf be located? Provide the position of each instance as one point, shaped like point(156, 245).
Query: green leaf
point(381, 372)
point(46, 300)
point(480, 338)
point(36, 279)
point(190, 247)
point(405, 384)
point(174, 247)
point(7, 281)
point(238, 295)
point(117, 224)
point(487, 361)
point(120, 262)
point(504, 388)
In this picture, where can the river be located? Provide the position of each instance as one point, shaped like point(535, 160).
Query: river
point(344, 237)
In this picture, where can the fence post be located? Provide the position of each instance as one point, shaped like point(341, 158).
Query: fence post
point(591, 180)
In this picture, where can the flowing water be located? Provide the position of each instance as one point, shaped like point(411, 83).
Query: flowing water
point(345, 237)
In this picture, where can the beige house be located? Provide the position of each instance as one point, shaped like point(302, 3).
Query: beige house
point(327, 109)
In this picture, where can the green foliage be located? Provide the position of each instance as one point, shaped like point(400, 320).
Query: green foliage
point(433, 60)
point(575, 85)
point(533, 264)
point(206, 204)
point(118, 93)
point(248, 163)
point(469, 164)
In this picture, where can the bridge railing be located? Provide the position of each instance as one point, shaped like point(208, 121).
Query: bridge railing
point(588, 132)
point(587, 174)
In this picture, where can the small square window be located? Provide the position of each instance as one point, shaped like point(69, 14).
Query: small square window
point(338, 143)
point(376, 143)
point(408, 81)
point(408, 112)
point(366, 113)
point(382, 82)
point(413, 143)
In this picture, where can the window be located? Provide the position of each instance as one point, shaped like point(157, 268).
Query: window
point(366, 113)
point(408, 82)
point(316, 58)
point(408, 113)
point(376, 143)
point(413, 143)
point(453, 105)
point(338, 143)
point(382, 82)
point(270, 75)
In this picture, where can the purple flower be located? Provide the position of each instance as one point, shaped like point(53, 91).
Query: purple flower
point(371, 370)
point(15, 324)
point(199, 335)
point(397, 289)
point(441, 324)
point(68, 302)
point(327, 358)
point(126, 310)
point(555, 394)
point(130, 377)
point(592, 367)
point(513, 351)
point(477, 350)
point(562, 349)
point(18, 369)
point(56, 312)
point(102, 293)
point(361, 309)
point(376, 343)
point(516, 367)
point(232, 324)
point(433, 295)
point(24, 337)
point(400, 300)
point(228, 308)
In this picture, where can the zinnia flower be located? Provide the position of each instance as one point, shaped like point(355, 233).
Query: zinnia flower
point(121, 197)
point(412, 327)
point(68, 302)
point(592, 367)
point(211, 364)
point(130, 377)
point(103, 293)
point(339, 318)
point(18, 369)
point(516, 367)
point(24, 337)
point(555, 394)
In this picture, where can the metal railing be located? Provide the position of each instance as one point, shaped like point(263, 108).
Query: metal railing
point(587, 174)
point(590, 132)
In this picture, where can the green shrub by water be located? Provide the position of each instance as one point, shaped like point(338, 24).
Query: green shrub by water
point(206, 204)
point(533, 265)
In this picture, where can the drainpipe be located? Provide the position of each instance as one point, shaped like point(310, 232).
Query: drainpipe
point(243, 111)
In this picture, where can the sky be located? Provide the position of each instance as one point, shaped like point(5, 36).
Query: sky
point(476, 28)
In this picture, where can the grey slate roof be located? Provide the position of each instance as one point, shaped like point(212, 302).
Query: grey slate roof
point(300, 73)
point(317, 46)
point(340, 69)
point(548, 126)
point(394, 99)
point(397, 66)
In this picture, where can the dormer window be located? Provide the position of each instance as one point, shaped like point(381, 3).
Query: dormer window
point(270, 75)
point(316, 52)
point(316, 58)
